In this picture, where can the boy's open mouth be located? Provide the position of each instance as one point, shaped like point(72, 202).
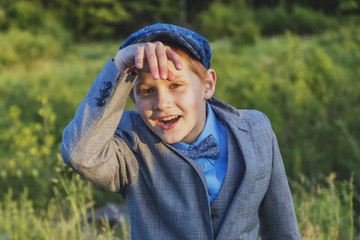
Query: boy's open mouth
point(167, 121)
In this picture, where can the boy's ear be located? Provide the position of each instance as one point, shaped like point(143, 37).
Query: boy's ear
point(210, 83)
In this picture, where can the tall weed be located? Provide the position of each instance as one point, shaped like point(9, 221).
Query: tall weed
point(325, 210)
point(28, 152)
point(65, 216)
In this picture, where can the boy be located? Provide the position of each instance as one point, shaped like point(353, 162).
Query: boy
point(189, 165)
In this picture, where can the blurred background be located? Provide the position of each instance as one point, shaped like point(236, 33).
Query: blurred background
point(297, 61)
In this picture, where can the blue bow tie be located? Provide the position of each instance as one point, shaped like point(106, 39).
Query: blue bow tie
point(208, 148)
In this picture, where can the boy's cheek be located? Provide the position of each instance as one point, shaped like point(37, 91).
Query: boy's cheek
point(144, 118)
point(145, 114)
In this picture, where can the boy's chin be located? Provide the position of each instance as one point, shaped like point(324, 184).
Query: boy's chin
point(170, 140)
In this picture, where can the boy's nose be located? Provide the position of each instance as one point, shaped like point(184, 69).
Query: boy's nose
point(163, 101)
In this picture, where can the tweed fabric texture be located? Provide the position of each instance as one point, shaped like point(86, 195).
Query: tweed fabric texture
point(234, 175)
point(166, 191)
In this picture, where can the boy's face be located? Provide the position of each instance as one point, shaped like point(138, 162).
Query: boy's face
point(174, 110)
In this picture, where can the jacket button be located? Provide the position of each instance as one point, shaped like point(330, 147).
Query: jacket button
point(104, 93)
point(108, 84)
point(100, 102)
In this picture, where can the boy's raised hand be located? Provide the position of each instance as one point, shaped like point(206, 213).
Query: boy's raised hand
point(150, 57)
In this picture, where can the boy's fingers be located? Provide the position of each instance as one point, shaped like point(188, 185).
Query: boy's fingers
point(162, 60)
point(139, 57)
point(170, 75)
point(152, 60)
point(175, 58)
point(157, 56)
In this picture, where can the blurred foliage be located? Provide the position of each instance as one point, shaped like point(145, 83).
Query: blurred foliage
point(65, 216)
point(330, 7)
point(309, 88)
point(306, 80)
point(152, 11)
point(25, 15)
point(28, 33)
point(91, 19)
point(235, 18)
point(27, 152)
point(348, 5)
point(298, 20)
point(35, 104)
point(23, 48)
point(229, 20)
point(325, 210)
point(104, 19)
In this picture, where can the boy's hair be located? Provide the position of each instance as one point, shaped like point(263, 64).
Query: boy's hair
point(195, 65)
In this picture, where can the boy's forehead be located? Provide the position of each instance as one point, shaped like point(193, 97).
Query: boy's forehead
point(145, 77)
point(180, 49)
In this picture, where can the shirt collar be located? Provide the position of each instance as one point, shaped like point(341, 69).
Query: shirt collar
point(210, 127)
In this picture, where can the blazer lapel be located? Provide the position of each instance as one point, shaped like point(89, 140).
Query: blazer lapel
point(244, 140)
point(246, 145)
point(241, 130)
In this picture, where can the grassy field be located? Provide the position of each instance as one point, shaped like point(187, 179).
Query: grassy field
point(309, 88)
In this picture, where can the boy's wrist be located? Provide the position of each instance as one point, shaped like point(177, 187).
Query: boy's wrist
point(128, 70)
point(119, 65)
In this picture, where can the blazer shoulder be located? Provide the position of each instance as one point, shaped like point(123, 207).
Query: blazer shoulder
point(257, 121)
point(130, 122)
point(254, 116)
point(132, 128)
point(129, 118)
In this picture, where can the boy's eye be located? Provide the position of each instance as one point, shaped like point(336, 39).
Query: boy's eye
point(145, 91)
point(175, 85)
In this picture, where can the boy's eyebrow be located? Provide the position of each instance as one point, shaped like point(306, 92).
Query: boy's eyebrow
point(142, 82)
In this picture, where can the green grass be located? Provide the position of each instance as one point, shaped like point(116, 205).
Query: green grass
point(309, 88)
point(324, 211)
point(63, 217)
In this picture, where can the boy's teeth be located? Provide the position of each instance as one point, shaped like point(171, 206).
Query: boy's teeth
point(169, 118)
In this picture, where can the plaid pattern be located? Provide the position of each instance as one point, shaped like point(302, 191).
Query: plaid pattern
point(193, 42)
point(165, 191)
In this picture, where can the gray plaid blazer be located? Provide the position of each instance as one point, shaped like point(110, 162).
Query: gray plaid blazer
point(165, 191)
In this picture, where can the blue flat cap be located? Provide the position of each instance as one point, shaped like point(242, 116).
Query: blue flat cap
point(197, 45)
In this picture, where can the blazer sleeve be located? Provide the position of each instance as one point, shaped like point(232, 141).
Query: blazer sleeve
point(277, 213)
point(88, 145)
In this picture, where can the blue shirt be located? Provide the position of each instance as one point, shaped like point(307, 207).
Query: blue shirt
point(214, 169)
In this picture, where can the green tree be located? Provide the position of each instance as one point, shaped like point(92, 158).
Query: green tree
point(90, 18)
point(152, 11)
point(22, 15)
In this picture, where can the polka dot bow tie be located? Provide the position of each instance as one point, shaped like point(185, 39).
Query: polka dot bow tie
point(206, 149)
